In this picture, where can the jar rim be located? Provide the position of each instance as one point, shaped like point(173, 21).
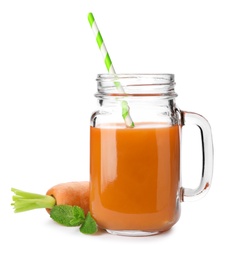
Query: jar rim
point(136, 84)
point(154, 78)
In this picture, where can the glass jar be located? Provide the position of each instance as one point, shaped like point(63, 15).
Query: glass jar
point(135, 147)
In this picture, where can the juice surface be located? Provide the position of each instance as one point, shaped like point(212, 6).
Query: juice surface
point(135, 175)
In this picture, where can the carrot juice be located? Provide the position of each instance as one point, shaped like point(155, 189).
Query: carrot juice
point(135, 176)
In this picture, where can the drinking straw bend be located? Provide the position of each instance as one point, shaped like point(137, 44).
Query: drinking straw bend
point(109, 65)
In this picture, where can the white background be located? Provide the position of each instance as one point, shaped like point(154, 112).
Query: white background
point(48, 64)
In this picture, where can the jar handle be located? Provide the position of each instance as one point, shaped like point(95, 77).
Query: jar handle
point(189, 118)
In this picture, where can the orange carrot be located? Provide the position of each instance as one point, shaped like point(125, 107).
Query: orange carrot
point(69, 193)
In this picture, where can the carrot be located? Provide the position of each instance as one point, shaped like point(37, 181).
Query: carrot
point(69, 193)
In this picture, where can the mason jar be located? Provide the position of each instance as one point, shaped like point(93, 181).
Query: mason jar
point(135, 154)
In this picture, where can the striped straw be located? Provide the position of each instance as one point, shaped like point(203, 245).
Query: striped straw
point(109, 65)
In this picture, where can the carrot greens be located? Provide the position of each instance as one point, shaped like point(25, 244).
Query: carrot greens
point(24, 201)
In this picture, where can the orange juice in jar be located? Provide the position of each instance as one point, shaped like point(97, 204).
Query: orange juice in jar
point(135, 186)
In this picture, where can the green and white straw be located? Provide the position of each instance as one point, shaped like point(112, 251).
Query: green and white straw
point(109, 65)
